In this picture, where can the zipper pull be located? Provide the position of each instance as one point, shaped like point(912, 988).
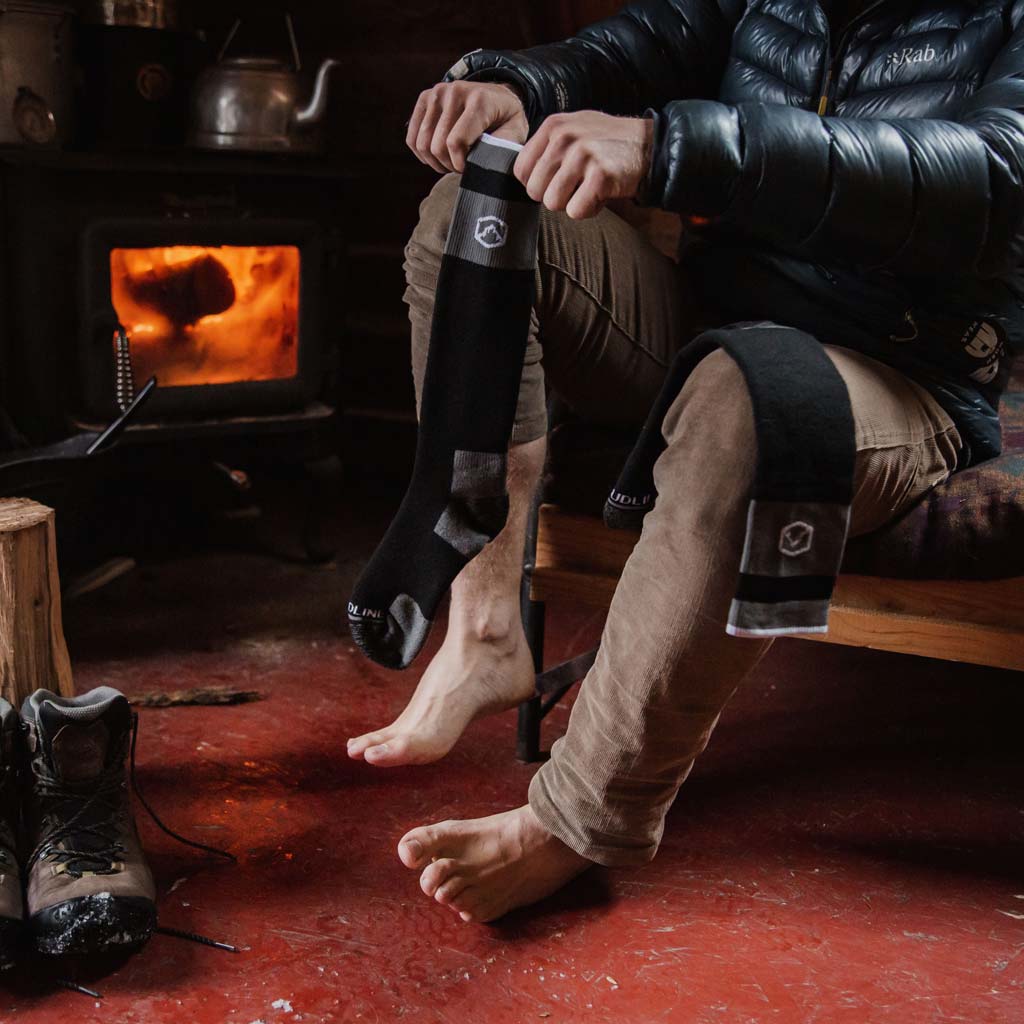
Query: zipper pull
point(823, 102)
point(911, 324)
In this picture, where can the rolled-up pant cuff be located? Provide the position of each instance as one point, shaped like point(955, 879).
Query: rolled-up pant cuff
point(563, 816)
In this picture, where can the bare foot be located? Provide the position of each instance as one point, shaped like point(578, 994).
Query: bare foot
point(470, 676)
point(484, 868)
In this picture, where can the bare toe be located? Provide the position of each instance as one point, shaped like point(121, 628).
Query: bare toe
point(451, 890)
point(358, 745)
point(422, 845)
point(412, 849)
point(436, 874)
point(394, 752)
point(465, 901)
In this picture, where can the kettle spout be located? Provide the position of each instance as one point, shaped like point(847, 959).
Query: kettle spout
point(314, 110)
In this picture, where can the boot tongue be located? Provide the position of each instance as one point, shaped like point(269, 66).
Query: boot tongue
point(79, 740)
point(78, 753)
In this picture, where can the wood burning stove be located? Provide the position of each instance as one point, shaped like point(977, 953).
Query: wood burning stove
point(226, 315)
point(226, 272)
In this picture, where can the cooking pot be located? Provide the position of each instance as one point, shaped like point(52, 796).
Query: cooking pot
point(255, 104)
point(35, 73)
point(133, 13)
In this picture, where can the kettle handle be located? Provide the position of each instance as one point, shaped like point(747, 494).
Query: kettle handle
point(233, 31)
point(291, 39)
point(228, 39)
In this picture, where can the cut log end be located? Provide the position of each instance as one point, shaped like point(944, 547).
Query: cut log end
point(33, 654)
point(21, 514)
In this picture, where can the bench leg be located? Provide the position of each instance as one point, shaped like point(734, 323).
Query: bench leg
point(530, 712)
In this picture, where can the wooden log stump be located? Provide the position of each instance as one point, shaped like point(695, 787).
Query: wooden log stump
point(33, 653)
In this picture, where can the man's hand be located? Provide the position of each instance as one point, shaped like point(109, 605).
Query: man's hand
point(449, 118)
point(577, 162)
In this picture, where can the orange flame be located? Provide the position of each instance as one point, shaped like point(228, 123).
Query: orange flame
point(209, 314)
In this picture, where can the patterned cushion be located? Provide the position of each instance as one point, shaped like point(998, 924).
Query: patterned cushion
point(971, 527)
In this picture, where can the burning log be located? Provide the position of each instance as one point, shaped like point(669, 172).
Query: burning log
point(209, 314)
point(33, 654)
point(187, 291)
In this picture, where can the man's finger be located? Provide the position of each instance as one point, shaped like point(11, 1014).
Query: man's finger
point(590, 197)
point(466, 131)
point(413, 128)
point(566, 181)
point(532, 152)
point(546, 167)
point(439, 142)
point(426, 134)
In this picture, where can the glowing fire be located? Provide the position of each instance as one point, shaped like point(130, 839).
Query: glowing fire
point(209, 314)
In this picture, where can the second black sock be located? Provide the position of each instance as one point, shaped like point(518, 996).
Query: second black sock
point(457, 499)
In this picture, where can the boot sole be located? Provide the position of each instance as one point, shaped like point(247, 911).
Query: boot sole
point(93, 924)
point(12, 932)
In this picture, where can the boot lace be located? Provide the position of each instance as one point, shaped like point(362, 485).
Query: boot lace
point(102, 815)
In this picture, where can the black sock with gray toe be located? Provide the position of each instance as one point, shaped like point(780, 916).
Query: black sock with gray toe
point(457, 500)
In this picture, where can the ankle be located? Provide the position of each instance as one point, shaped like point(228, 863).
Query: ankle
point(496, 622)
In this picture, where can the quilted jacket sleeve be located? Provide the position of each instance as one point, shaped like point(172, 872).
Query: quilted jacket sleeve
point(652, 52)
point(917, 196)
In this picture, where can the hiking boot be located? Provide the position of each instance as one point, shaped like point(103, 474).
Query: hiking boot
point(11, 907)
point(89, 887)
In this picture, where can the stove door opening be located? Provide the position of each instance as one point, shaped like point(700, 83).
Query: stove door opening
point(209, 314)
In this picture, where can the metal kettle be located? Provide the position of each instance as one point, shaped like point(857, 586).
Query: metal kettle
point(253, 104)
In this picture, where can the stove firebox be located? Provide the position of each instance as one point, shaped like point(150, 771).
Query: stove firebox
point(225, 316)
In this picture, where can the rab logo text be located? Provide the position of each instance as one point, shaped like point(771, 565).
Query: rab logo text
point(491, 232)
point(908, 55)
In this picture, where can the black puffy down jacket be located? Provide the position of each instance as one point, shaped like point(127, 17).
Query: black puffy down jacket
point(867, 188)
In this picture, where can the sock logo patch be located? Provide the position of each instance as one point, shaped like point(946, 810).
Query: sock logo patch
point(491, 232)
point(796, 539)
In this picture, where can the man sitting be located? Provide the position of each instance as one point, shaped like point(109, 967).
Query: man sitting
point(851, 169)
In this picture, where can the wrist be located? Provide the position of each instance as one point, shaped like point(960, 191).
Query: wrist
point(515, 90)
point(646, 145)
point(651, 127)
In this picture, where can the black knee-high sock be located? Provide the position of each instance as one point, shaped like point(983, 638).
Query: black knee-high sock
point(457, 499)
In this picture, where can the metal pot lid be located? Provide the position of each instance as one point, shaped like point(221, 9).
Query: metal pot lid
point(254, 63)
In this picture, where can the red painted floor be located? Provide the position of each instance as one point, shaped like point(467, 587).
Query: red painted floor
point(850, 849)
